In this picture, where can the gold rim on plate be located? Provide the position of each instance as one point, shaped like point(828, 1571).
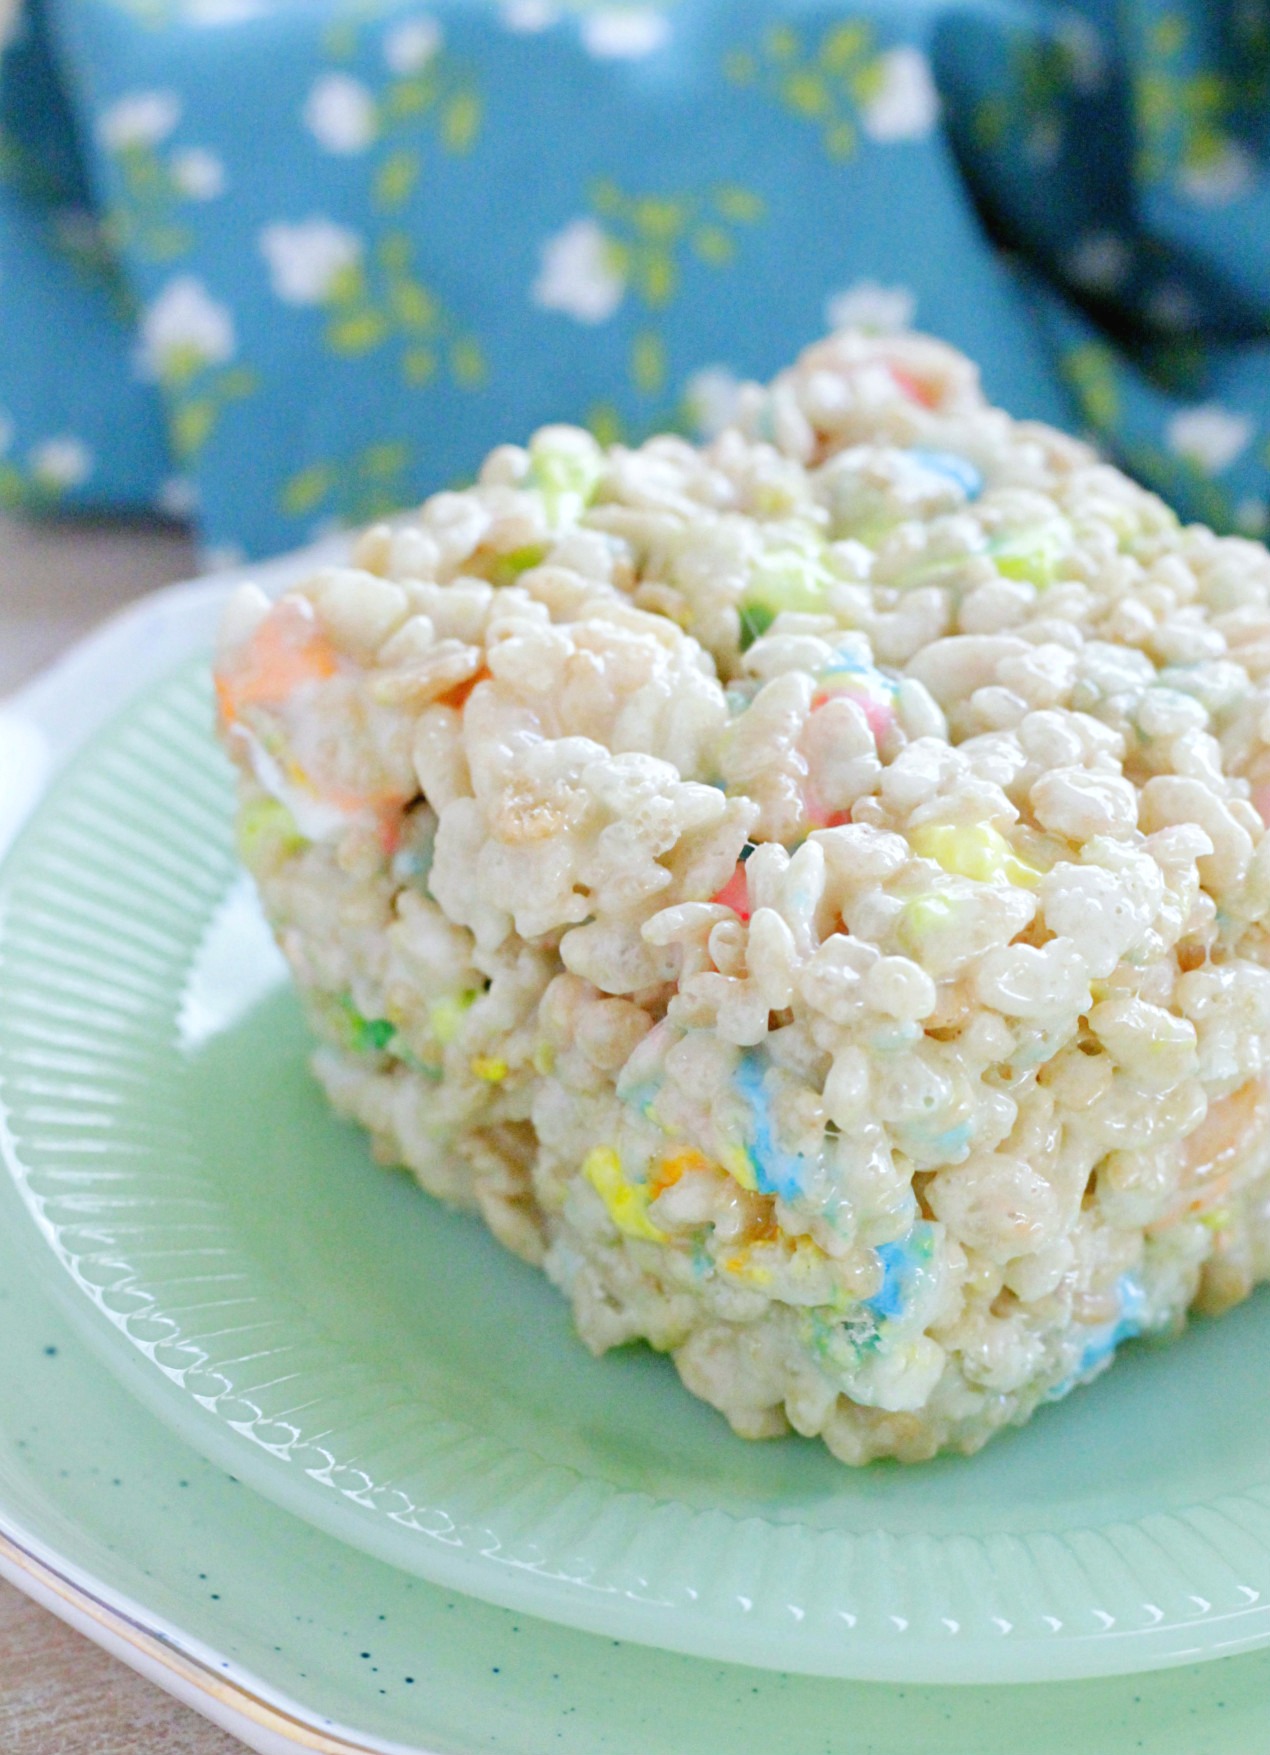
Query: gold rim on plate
point(70, 1600)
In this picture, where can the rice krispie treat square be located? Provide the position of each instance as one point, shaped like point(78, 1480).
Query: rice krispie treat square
point(808, 892)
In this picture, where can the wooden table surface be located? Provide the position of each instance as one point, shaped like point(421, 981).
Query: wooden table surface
point(60, 1695)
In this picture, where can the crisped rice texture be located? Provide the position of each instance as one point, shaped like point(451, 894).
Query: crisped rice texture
point(808, 892)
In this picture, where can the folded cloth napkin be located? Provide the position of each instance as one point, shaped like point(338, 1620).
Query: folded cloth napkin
point(281, 264)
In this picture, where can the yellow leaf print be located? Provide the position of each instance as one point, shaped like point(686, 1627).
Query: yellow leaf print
point(826, 85)
point(648, 363)
point(713, 246)
point(441, 90)
point(380, 300)
point(196, 412)
point(414, 305)
point(307, 490)
point(738, 205)
point(461, 122)
point(807, 94)
point(658, 277)
point(352, 490)
point(1090, 369)
point(659, 219)
point(1169, 34)
point(360, 333)
point(418, 365)
point(389, 458)
point(605, 421)
point(467, 362)
point(396, 179)
point(192, 424)
point(644, 241)
point(844, 46)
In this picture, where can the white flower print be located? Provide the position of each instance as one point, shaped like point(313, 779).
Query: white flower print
point(1209, 436)
point(528, 16)
point(184, 330)
point(1100, 261)
point(1086, 52)
point(712, 395)
point(906, 104)
point(625, 33)
point(578, 274)
point(410, 45)
point(222, 557)
point(1044, 143)
point(1173, 306)
point(867, 304)
point(305, 260)
point(1219, 181)
point(143, 118)
point(219, 12)
point(198, 173)
point(177, 496)
point(340, 114)
point(61, 463)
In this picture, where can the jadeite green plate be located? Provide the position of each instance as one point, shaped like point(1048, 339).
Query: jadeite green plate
point(379, 1367)
point(295, 1642)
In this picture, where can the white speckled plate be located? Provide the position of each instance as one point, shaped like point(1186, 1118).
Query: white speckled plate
point(379, 1367)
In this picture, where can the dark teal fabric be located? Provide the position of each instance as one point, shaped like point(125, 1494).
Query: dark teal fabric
point(287, 263)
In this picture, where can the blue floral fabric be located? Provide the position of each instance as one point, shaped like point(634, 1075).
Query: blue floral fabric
point(282, 264)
